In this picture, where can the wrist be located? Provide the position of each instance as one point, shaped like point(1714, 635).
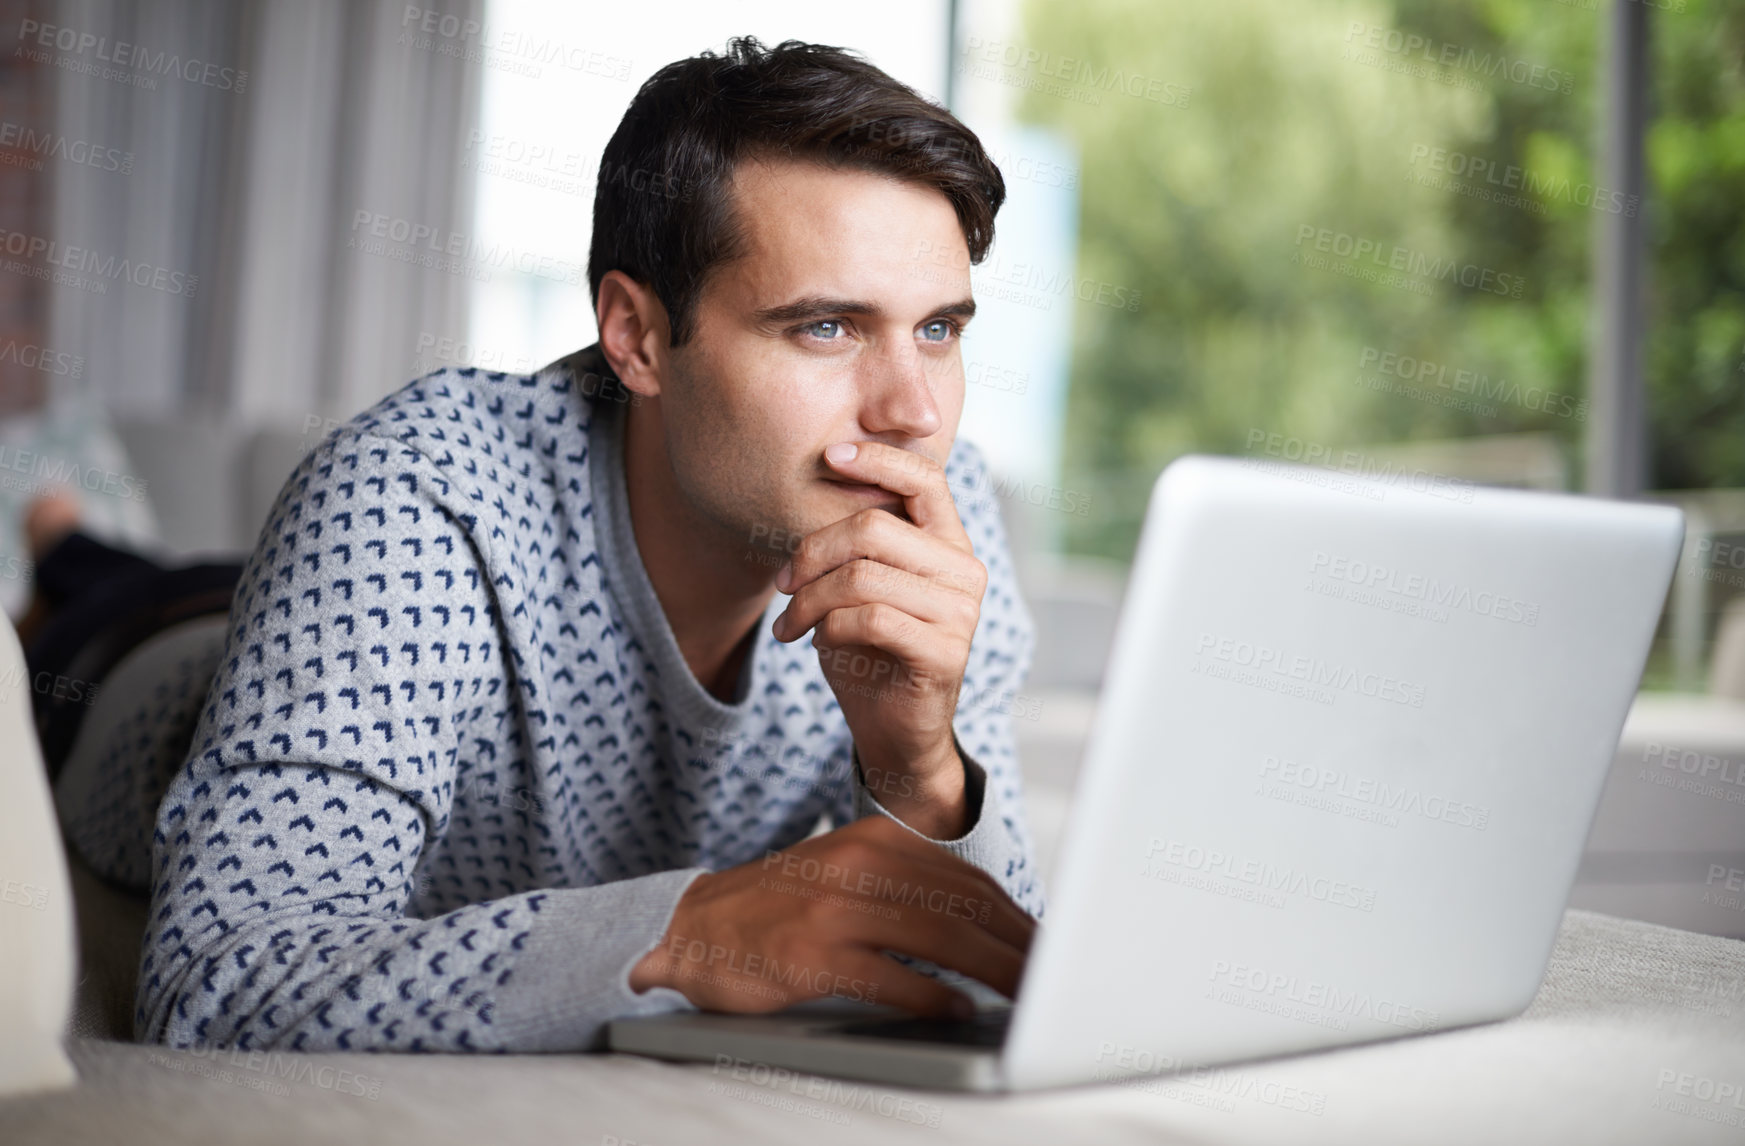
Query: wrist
point(652, 970)
point(659, 966)
point(930, 796)
point(927, 774)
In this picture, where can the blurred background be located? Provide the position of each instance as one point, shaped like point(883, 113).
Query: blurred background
point(1494, 240)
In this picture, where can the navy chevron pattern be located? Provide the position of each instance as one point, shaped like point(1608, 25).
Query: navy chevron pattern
point(440, 794)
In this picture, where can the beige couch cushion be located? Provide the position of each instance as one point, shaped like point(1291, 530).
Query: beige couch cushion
point(36, 908)
point(1631, 1039)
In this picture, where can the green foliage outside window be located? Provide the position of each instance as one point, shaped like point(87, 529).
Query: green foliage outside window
point(1354, 180)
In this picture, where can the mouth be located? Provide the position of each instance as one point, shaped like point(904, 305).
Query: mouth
point(871, 494)
point(861, 487)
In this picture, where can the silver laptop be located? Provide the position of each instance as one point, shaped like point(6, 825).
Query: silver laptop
point(1352, 737)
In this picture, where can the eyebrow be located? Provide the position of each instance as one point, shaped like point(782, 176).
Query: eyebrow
point(820, 306)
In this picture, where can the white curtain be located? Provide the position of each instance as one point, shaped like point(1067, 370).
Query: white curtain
point(258, 130)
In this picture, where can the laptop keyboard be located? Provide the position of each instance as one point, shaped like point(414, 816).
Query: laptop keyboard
point(987, 1029)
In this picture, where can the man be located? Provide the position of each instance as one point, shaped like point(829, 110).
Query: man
point(516, 732)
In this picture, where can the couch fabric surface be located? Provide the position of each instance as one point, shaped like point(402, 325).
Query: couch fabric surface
point(1636, 1036)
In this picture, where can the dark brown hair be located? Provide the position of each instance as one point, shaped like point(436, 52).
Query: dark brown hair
point(662, 209)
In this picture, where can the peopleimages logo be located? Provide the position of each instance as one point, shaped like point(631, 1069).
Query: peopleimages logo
point(1312, 672)
point(24, 895)
point(1394, 257)
point(1249, 986)
point(1375, 472)
point(1073, 72)
point(512, 50)
point(133, 57)
point(1721, 1101)
point(834, 1092)
point(453, 251)
point(33, 357)
point(1332, 789)
point(1027, 278)
point(53, 471)
point(275, 1064)
point(940, 901)
point(53, 145)
point(1424, 588)
point(1423, 50)
point(82, 260)
point(1138, 1067)
point(1726, 772)
point(1220, 864)
point(1424, 372)
point(1512, 178)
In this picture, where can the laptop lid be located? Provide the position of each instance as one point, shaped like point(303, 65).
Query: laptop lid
point(1350, 744)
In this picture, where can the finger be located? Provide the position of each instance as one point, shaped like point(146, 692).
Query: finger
point(918, 479)
point(911, 879)
point(947, 941)
point(883, 627)
point(933, 861)
point(955, 906)
point(894, 862)
point(898, 986)
point(863, 581)
point(878, 536)
point(726, 991)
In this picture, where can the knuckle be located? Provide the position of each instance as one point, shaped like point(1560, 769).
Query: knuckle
point(862, 575)
point(814, 911)
point(885, 622)
point(868, 524)
point(968, 613)
point(859, 853)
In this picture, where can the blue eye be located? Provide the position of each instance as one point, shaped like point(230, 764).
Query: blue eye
point(945, 329)
point(812, 328)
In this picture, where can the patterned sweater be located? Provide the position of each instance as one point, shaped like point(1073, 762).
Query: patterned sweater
point(452, 774)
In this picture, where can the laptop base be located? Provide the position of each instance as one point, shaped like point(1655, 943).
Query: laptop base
point(808, 1040)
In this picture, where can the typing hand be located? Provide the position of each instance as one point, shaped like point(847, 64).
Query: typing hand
point(813, 920)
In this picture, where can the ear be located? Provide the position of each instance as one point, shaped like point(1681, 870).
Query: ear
point(633, 333)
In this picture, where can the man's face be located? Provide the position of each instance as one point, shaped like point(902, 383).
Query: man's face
point(839, 324)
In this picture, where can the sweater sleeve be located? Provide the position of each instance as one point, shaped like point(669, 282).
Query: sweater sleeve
point(363, 670)
point(999, 841)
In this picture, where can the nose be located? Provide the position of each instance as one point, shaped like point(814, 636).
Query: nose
point(898, 395)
